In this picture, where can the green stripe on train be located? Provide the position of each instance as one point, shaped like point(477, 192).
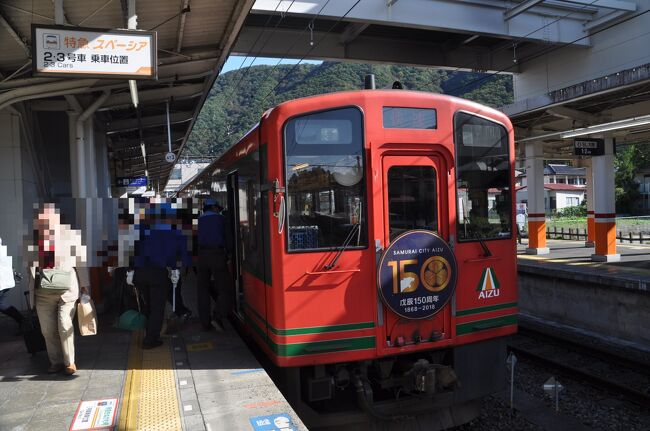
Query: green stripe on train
point(315, 347)
point(484, 309)
point(313, 329)
point(480, 325)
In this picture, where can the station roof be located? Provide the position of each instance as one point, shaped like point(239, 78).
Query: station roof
point(194, 38)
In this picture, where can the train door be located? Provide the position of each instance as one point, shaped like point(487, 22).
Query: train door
point(415, 198)
point(233, 222)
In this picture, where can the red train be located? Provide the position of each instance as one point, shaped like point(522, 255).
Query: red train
point(375, 258)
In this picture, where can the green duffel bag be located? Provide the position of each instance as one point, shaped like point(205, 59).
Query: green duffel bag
point(55, 279)
point(131, 320)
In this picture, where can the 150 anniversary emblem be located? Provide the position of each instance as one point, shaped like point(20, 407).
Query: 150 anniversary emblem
point(417, 274)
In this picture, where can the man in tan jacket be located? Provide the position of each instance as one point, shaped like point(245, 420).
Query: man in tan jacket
point(58, 247)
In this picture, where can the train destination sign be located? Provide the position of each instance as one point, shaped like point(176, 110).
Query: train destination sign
point(417, 274)
point(588, 147)
point(85, 52)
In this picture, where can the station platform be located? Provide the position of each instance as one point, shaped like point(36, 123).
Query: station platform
point(572, 259)
point(565, 292)
point(196, 381)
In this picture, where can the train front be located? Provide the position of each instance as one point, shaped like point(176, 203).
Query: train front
point(395, 269)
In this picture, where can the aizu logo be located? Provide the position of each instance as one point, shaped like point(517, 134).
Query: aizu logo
point(488, 285)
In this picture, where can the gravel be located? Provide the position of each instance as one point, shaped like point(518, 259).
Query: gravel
point(496, 415)
point(596, 408)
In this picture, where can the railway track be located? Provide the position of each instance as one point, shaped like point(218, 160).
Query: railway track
point(599, 368)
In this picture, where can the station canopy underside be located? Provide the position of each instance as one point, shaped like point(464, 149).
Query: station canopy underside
point(194, 39)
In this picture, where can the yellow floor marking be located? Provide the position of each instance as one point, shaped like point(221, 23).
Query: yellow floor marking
point(149, 401)
point(200, 346)
point(130, 400)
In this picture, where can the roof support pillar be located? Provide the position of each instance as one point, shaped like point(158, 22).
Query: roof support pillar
point(605, 204)
point(589, 195)
point(535, 189)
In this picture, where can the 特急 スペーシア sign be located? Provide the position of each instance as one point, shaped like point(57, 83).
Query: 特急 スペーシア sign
point(81, 52)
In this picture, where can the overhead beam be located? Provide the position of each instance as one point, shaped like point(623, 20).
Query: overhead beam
point(148, 122)
point(520, 8)
point(572, 114)
point(125, 144)
point(629, 6)
point(364, 48)
point(14, 34)
point(155, 95)
point(352, 31)
point(181, 25)
point(483, 17)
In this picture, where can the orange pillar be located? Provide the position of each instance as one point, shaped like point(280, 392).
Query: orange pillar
point(604, 205)
point(535, 191)
point(591, 230)
point(536, 231)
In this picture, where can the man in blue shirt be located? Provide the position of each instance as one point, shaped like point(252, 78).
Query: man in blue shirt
point(162, 246)
point(214, 243)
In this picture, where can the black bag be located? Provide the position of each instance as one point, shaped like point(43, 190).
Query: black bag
point(31, 330)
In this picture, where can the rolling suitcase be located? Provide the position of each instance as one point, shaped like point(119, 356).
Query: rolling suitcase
point(31, 329)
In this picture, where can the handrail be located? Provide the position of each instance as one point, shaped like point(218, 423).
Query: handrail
point(338, 271)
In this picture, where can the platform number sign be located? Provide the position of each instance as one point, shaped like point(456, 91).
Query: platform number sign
point(588, 147)
point(170, 157)
point(417, 274)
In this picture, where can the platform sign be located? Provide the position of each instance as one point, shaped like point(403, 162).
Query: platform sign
point(588, 147)
point(95, 415)
point(65, 51)
point(170, 157)
point(278, 422)
point(417, 274)
point(131, 182)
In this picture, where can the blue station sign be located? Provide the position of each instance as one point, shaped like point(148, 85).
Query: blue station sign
point(417, 274)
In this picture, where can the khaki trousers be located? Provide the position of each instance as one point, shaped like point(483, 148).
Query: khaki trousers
point(55, 317)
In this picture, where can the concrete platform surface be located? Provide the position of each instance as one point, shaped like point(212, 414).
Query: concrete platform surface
point(196, 381)
point(572, 260)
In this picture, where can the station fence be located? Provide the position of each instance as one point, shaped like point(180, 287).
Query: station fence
point(581, 234)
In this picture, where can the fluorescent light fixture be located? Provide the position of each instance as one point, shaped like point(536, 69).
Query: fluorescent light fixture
point(606, 127)
point(133, 87)
point(143, 150)
point(300, 166)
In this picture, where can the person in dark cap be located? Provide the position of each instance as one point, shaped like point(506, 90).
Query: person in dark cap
point(162, 248)
point(213, 250)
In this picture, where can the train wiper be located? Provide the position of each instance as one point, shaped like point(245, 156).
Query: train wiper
point(343, 247)
point(486, 250)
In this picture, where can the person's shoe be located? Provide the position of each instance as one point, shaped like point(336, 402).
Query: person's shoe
point(70, 370)
point(152, 345)
point(55, 368)
point(218, 325)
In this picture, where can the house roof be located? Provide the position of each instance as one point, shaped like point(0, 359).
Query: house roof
point(565, 187)
point(551, 169)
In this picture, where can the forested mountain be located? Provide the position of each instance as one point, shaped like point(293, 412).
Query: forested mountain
point(238, 98)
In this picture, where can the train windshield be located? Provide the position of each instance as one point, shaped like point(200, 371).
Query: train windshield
point(483, 179)
point(325, 187)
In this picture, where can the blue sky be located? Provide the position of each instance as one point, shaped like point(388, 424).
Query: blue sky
point(235, 62)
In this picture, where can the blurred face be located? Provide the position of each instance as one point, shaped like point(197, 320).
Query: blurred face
point(47, 221)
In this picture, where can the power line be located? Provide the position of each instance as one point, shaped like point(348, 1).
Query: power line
point(314, 46)
point(244, 74)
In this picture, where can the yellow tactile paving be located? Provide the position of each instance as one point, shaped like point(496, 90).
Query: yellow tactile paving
point(149, 401)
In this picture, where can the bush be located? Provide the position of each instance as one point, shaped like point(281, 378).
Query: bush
point(573, 212)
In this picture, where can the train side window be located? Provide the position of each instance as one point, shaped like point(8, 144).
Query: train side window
point(325, 172)
point(484, 197)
